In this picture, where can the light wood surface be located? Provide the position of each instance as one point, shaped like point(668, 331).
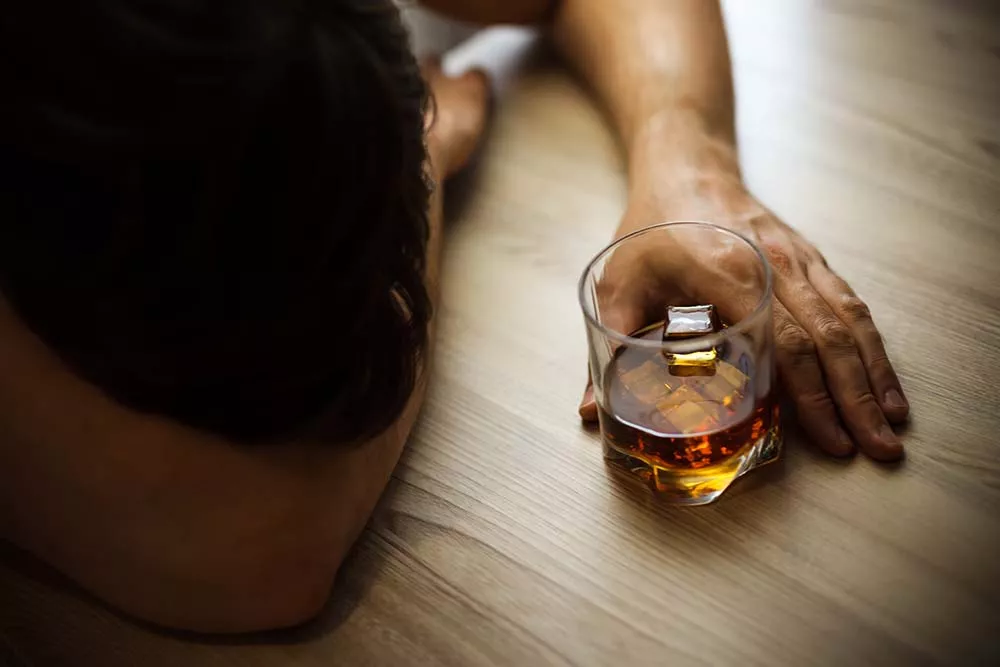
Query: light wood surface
point(872, 126)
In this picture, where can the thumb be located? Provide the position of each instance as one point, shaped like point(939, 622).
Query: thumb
point(623, 319)
point(588, 406)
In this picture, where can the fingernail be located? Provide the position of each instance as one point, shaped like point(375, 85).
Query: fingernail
point(887, 436)
point(588, 396)
point(892, 448)
point(846, 445)
point(894, 399)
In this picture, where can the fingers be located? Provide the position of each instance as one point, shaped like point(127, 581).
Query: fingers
point(623, 316)
point(853, 312)
point(588, 406)
point(845, 374)
point(802, 375)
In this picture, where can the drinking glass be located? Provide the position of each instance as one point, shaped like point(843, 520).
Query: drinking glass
point(679, 324)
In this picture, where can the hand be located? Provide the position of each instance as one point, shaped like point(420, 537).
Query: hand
point(457, 116)
point(829, 353)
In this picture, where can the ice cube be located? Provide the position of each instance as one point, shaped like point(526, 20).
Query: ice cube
point(683, 394)
point(694, 417)
point(733, 376)
point(687, 321)
point(647, 382)
point(721, 390)
point(692, 364)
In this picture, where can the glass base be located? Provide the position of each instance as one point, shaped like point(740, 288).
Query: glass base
point(697, 486)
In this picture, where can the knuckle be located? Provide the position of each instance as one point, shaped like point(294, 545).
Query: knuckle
point(855, 309)
point(795, 342)
point(880, 364)
point(865, 401)
point(833, 335)
point(801, 292)
point(779, 257)
point(881, 360)
point(815, 401)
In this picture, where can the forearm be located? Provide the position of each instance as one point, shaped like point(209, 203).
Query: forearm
point(661, 68)
point(172, 525)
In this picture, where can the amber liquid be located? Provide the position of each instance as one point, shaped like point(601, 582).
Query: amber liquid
point(689, 432)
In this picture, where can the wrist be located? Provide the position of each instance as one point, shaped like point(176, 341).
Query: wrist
point(677, 153)
point(678, 170)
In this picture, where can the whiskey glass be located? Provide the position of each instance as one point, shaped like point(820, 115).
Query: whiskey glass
point(679, 325)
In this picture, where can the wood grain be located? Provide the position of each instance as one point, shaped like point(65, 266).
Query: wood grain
point(874, 127)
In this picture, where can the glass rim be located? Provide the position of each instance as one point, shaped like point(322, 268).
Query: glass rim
point(691, 343)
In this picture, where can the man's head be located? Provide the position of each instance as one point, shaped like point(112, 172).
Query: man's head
point(216, 209)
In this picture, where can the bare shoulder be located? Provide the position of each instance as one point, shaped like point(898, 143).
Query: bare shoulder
point(494, 11)
point(168, 506)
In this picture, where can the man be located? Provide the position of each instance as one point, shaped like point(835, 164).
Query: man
point(219, 262)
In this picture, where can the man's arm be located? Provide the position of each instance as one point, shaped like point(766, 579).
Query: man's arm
point(661, 69)
point(654, 64)
point(179, 527)
point(169, 524)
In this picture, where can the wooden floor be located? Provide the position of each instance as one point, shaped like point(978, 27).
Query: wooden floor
point(871, 125)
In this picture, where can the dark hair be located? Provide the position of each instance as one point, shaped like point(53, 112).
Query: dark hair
point(216, 210)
